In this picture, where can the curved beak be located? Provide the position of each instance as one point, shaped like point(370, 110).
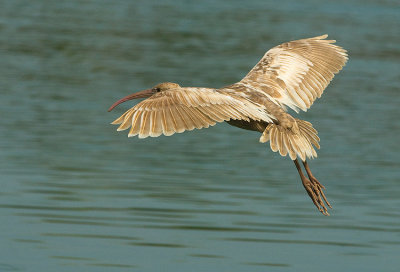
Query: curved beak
point(141, 94)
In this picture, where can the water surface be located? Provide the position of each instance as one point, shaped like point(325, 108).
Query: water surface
point(78, 196)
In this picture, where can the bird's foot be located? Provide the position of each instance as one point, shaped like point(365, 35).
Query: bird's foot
point(315, 190)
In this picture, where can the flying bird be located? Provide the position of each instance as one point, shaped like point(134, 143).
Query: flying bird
point(289, 76)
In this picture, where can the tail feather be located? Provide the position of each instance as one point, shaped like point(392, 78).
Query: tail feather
point(310, 132)
point(299, 143)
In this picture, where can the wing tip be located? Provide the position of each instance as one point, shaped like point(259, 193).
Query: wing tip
point(142, 136)
point(321, 37)
point(122, 129)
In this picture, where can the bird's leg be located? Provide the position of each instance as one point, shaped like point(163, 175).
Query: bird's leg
point(313, 189)
point(316, 182)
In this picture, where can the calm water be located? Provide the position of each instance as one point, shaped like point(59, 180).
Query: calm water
point(78, 196)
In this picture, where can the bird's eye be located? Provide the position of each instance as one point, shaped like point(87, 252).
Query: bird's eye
point(157, 90)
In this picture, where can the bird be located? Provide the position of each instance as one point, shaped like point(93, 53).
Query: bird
point(289, 76)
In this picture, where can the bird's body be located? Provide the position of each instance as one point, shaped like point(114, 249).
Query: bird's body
point(291, 75)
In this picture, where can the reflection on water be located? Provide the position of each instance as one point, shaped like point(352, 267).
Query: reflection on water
point(76, 195)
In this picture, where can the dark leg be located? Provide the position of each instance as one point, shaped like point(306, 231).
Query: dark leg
point(313, 189)
point(315, 181)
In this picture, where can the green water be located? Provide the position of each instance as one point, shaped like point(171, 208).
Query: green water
point(78, 196)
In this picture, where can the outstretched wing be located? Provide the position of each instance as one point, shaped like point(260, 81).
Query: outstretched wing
point(296, 73)
point(176, 110)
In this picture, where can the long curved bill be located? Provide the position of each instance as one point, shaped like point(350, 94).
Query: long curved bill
point(141, 94)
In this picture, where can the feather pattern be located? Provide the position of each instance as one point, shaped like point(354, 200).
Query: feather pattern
point(296, 73)
point(295, 144)
point(176, 110)
point(291, 75)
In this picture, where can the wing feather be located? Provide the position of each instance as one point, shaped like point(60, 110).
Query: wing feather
point(185, 124)
point(119, 120)
point(213, 114)
point(169, 129)
point(180, 123)
point(156, 127)
point(296, 73)
point(176, 110)
point(135, 122)
point(192, 118)
point(127, 122)
point(205, 120)
point(145, 124)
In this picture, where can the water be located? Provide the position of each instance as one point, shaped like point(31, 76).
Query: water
point(78, 196)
